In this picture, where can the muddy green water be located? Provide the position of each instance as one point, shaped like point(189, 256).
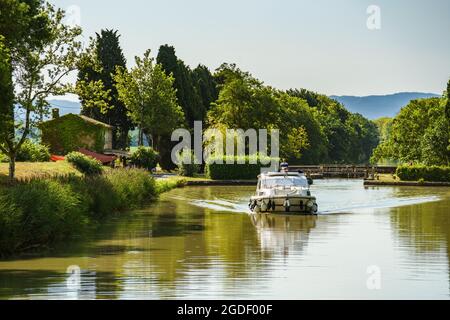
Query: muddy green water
point(197, 242)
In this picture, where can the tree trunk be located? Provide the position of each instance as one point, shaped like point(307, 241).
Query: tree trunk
point(141, 137)
point(12, 167)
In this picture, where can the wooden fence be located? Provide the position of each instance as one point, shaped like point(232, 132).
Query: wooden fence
point(343, 171)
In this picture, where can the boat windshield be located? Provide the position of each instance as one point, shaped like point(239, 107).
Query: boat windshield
point(273, 182)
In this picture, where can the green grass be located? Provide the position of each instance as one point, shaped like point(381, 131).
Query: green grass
point(32, 170)
point(165, 185)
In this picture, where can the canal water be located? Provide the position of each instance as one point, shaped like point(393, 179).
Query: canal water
point(201, 243)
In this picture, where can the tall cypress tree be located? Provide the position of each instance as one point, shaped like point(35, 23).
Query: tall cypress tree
point(206, 87)
point(187, 95)
point(109, 56)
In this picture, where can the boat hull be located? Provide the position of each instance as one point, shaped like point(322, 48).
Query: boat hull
point(284, 204)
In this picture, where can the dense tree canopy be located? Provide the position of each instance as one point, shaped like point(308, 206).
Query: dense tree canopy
point(206, 86)
point(186, 91)
point(419, 134)
point(96, 87)
point(148, 94)
point(347, 137)
point(40, 51)
point(246, 103)
point(384, 127)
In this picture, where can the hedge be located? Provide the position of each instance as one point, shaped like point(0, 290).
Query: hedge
point(424, 173)
point(236, 171)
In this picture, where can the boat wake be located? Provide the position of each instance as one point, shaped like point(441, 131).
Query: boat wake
point(327, 208)
point(222, 205)
point(381, 204)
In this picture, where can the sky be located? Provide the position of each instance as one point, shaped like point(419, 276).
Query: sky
point(329, 46)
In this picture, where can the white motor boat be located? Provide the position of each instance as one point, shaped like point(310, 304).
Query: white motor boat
point(283, 192)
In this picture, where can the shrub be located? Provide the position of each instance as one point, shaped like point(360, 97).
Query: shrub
point(131, 187)
point(424, 173)
point(246, 171)
point(42, 211)
point(39, 212)
point(145, 158)
point(10, 225)
point(95, 192)
point(165, 185)
point(84, 164)
point(187, 166)
point(33, 152)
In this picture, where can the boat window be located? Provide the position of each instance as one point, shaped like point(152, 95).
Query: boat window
point(284, 182)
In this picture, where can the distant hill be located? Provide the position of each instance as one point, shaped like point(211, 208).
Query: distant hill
point(374, 107)
point(65, 106)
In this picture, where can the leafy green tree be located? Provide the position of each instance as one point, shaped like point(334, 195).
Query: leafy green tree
point(246, 103)
point(364, 140)
point(6, 95)
point(298, 123)
point(350, 138)
point(419, 134)
point(384, 126)
point(148, 94)
point(41, 57)
point(96, 86)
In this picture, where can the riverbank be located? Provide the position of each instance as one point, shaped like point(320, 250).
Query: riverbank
point(406, 183)
point(37, 213)
point(391, 180)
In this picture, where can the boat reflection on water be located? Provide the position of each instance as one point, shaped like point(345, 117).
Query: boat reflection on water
point(283, 234)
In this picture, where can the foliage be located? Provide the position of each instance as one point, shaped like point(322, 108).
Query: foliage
point(6, 94)
point(245, 171)
point(70, 133)
point(33, 152)
point(131, 188)
point(420, 134)
point(86, 165)
point(346, 137)
point(186, 91)
point(384, 126)
point(41, 212)
point(424, 173)
point(97, 88)
point(186, 164)
point(43, 51)
point(145, 158)
point(206, 86)
point(245, 103)
point(150, 97)
point(164, 185)
point(3, 158)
